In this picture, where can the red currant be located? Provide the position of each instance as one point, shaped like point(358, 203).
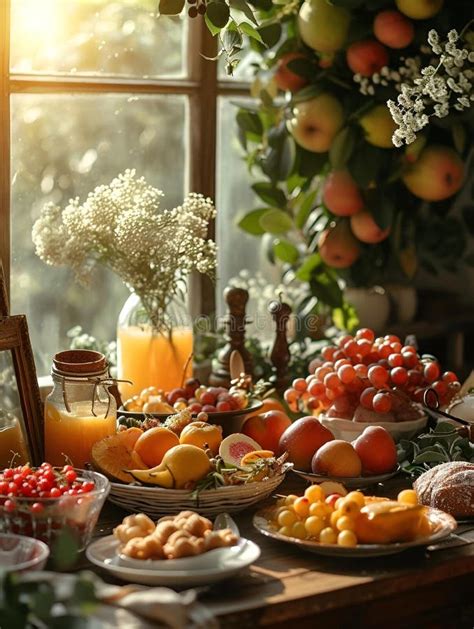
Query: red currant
point(71, 476)
point(367, 397)
point(399, 376)
point(382, 402)
point(9, 506)
point(37, 507)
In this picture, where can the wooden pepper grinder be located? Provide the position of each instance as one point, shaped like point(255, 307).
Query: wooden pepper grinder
point(280, 355)
point(236, 300)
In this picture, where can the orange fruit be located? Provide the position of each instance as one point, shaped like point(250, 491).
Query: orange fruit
point(153, 445)
point(202, 435)
point(251, 457)
point(114, 454)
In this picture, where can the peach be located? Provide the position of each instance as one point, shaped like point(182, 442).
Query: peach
point(302, 439)
point(338, 247)
point(315, 122)
point(377, 451)
point(337, 458)
point(437, 174)
point(341, 194)
point(286, 79)
point(267, 428)
point(393, 29)
point(366, 57)
point(366, 229)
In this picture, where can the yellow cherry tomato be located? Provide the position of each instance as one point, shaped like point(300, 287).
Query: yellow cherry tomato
point(358, 497)
point(318, 509)
point(314, 525)
point(287, 518)
point(298, 530)
point(301, 506)
point(347, 538)
point(290, 499)
point(345, 523)
point(408, 497)
point(328, 536)
point(314, 493)
point(285, 530)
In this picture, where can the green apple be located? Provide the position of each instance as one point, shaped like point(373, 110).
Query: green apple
point(419, 9)
point(322, 26)
point(315, 122)
point(378, 126)
point(436, 175)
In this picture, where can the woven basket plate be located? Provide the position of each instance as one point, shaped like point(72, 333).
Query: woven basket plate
point(156, 502)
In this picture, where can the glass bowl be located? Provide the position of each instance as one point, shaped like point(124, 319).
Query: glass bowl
point(19, 553)
point(78, 514)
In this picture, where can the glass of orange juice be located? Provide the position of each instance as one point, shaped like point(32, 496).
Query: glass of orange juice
point(149, 357)
point(80, 410)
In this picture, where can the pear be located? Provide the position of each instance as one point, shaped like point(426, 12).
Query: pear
point(182, 466)
point(323, 26)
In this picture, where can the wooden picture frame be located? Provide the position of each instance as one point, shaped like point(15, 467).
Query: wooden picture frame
point(15, 339)
point(4, 301)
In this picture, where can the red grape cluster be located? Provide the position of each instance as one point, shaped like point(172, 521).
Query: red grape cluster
point(197, 398)
point(42, 482)
point(372, 372)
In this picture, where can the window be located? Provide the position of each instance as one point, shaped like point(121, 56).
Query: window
point(90, 88)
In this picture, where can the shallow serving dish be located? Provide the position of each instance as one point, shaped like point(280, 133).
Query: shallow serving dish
point(349, 430)
point(103, 553)
point(356, 482)
point(442, 524)
point(253, 406)
point(19, 553)
point(156, 501)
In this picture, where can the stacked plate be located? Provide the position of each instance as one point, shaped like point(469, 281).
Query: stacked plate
point(155, 501)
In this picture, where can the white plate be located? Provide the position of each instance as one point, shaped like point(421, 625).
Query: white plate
point(443, 525)
point(356, 482)
point(156, 501)
point(103, 553)
point(349, 430)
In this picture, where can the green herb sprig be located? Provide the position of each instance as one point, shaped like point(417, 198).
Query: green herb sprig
point(440, 445)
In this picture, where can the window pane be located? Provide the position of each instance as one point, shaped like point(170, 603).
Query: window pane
point(63, 146)
point(124, 37)
point(237, 250)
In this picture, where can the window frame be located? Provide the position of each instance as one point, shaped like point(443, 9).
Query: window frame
point(202, 86)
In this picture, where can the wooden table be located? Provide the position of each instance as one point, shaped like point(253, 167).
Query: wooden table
point(288, 587)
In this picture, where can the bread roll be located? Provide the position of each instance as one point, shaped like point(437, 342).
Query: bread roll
point(449, 487)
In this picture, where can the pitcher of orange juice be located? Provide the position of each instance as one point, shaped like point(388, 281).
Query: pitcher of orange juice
point(80, 410)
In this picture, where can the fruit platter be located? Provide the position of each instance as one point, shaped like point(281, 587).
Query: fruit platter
point(216, 402)
point(185, 464)
point(353, 524)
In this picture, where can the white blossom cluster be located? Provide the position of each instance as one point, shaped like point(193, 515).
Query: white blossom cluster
point(121, 226)
point(438, 88)
point(406, 72)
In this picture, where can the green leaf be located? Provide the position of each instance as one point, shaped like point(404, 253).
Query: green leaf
point(218, 13)
point(309, 164)
point(250, 222)
point(251, 31)
point(214, 30)
point(285, 251)
point(345, 318)
point(270, 194)
point(171, 7)
point(342, 147)
point(430, 456)
point(241, 5)
point(270, 34)
point(302, 67)
point(305, 209)
point(276, 221)
point(278, 161)
point(64, 550)
point(233, 39)
point(250, 122)
point(308, 92)
point(326, 288)
point(311, 263)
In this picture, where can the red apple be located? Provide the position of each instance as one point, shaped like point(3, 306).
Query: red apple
point(366, 229)
point(366, 57)
point(267, 428)
point(338, 247)
point(286, 79)
point(377, 451)
point(393, 29)
point(341, 194)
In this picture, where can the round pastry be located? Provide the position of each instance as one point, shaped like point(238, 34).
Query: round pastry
point(449, 487)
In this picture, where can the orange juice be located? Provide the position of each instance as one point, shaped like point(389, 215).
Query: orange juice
point(73, 434)
point(152, 360)
point(12, 442)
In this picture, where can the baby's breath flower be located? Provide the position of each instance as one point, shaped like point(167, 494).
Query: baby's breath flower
point(122, 227)
point(443, 84)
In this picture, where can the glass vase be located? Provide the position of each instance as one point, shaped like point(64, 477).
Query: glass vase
point(150, 357)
